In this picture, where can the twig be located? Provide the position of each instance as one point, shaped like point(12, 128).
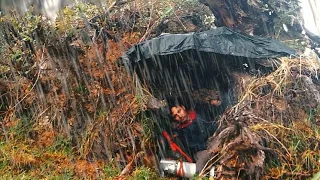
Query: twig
point(4, 94)
point(284, 147)
point(208, 166)
point(28, 91)
point(96, 106)
point(149, 31)
point(110, 7)
point(297, 174)
point(43, 112)
point(5, 132)
point(184, 27)
point(151, 12)
point(129, 166)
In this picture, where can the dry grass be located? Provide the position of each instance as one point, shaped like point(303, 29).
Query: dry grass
point(273, 131)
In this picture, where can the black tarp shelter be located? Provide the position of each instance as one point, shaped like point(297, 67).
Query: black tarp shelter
point(184, 62)
point(221, 40)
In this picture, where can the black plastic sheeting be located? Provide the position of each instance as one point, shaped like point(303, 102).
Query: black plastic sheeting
point(221, 40)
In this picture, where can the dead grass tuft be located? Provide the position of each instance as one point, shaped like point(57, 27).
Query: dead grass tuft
point(272, 131)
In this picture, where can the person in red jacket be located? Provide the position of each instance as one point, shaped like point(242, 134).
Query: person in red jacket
point(191, 129)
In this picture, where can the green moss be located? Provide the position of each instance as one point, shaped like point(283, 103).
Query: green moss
point(110, 171)
point(62, 144)
point(144, 173)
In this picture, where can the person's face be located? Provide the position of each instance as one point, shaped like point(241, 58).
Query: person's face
point(179, 113)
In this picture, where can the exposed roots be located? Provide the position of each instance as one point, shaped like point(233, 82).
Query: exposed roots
point(274, 126)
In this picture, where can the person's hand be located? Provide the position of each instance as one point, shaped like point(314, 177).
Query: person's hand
point(215, 102)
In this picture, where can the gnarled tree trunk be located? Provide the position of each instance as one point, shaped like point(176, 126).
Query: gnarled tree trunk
point(257, 17)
